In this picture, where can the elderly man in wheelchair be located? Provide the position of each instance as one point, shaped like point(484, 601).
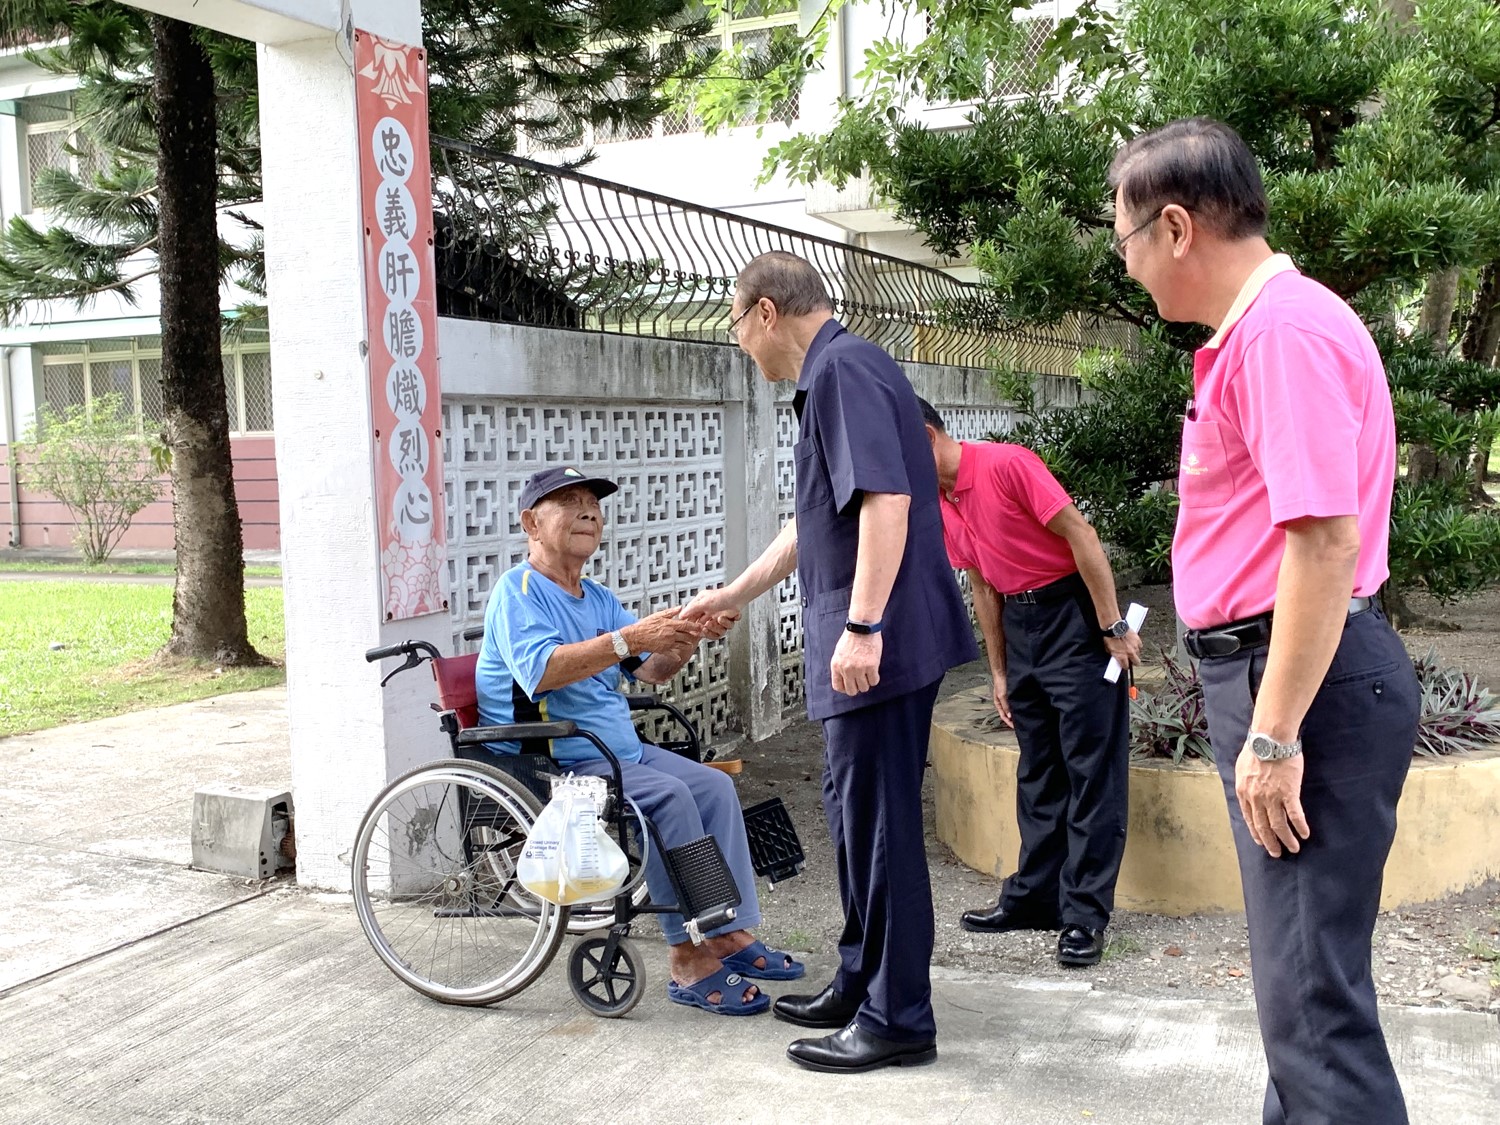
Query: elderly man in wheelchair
point(555, 647)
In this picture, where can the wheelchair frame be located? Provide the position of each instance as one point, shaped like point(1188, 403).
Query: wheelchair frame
point(498, 798)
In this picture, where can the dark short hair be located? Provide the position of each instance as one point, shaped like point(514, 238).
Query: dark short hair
point(931, 416)
point(1200, 164)
point(790, 282)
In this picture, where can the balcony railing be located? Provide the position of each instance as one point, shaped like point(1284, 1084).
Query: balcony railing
point(529, 243)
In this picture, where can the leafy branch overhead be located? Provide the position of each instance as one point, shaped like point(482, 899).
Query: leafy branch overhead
point(1379, 145)
point(553, 69)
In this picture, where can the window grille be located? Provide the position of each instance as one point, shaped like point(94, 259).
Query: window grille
point(52, 141)
point(77, 373)
point(750, 26)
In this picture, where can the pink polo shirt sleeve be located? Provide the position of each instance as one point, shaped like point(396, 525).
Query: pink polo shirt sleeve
point(1025, 476)
point(1299, 400)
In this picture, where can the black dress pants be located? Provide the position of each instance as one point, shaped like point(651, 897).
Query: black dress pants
point(872, 793)
point(1073, 727)
point(1312, 915)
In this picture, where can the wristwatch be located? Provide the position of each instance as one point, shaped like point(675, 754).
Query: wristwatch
point(1267, 749)
point(1118, 629)
point(622, 647)
point(862, 628)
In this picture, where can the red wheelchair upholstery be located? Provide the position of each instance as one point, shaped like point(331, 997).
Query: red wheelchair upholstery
point(455, 685)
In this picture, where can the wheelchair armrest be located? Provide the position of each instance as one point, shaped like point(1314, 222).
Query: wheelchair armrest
point(517, 732)
point(643, 701)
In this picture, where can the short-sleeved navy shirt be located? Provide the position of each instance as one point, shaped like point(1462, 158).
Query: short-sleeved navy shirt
point(861, 431)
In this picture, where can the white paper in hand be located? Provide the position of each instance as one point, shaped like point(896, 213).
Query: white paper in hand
point(1135, 617)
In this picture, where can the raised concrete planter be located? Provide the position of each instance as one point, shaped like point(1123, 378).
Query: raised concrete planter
point(1178, 855)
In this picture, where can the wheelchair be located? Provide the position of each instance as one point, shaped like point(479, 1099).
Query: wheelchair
point(434, 860)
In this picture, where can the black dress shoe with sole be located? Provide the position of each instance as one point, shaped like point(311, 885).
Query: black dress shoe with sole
point(1001, 919)
point(826, 1009)
point(1079, 946)
point(854, 1049)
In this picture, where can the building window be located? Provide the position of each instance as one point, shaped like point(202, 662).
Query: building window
point(75, 374)
point(51, 140)
point(752, 27)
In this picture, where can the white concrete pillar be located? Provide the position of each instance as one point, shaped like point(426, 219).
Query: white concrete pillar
point(348, 737)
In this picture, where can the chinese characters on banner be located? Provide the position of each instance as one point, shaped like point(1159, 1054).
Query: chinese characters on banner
point(401, 322)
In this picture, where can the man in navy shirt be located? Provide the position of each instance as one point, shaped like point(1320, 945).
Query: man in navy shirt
point(882, 621)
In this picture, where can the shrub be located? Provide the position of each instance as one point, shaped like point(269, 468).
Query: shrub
point(1114, 451)
point(90, 458)
point(1458, 715)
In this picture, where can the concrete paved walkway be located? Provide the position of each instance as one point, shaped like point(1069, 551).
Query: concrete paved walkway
point(136, 990)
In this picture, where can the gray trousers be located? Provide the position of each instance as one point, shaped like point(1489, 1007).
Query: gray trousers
point(1312, 915)
point(685, 801)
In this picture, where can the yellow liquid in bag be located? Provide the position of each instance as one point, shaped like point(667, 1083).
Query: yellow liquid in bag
point(574, 892)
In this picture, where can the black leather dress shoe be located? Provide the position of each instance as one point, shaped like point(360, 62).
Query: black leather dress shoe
point(854, 1049)
point(1000, 919)
point(826, 1009)
point(1079, 945)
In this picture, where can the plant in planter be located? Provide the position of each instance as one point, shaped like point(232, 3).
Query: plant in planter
point(1170, 721)
point(1458, 715)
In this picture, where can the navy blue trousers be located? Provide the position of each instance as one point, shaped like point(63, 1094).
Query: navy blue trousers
point(872, 793)
point(1312, 915)
point(1073, 728)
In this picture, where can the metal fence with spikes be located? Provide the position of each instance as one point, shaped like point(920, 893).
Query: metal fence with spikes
point(529, 243)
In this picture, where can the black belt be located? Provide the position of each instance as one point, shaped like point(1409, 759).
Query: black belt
point(1052, 592)
point(1226, 640)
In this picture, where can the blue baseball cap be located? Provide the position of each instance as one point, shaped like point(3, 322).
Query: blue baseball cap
point(548, 481)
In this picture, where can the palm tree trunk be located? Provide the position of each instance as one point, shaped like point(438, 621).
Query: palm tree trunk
point(208, 603)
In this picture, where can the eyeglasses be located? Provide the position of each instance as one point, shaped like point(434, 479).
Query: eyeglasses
point(734, 324)
point(1120, 242)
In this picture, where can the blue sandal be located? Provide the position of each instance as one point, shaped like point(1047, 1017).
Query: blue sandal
point(779, 965)
point(730, 985)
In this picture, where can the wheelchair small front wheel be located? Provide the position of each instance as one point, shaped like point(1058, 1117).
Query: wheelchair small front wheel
point(608, 982)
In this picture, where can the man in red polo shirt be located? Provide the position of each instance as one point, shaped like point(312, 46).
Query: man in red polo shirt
point(1288, 463)
point(1010, 524)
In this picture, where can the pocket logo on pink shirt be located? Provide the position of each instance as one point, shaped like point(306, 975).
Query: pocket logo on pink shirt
point(1203, 478)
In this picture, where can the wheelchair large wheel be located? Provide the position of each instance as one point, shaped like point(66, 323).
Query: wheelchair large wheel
point(435, 885)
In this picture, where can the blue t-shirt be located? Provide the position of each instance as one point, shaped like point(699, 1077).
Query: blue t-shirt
point(529, 615)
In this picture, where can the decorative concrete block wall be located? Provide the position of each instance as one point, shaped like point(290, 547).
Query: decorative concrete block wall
point(701, 446)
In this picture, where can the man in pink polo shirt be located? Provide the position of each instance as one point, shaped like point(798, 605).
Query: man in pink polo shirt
point(1288, 463)
point(1010, 524)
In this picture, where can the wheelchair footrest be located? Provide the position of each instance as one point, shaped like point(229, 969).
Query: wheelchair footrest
point(701, 878)
point(775, 849)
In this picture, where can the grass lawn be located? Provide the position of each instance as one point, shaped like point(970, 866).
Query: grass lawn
point(110, 633)
point(63, 569)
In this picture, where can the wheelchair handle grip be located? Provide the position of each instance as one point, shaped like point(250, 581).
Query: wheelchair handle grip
point(384, 651)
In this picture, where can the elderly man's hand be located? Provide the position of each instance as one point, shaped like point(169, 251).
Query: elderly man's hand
point(855, 667)
point(663, 631)
point(714, 626)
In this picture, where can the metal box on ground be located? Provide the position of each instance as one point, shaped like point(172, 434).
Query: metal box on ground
point(242, 830)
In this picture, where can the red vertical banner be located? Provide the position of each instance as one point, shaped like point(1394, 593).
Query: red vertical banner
point(401, 323)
